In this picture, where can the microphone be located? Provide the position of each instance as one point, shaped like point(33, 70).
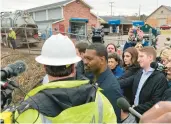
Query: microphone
point(158, 66)
point(125, 106)
point(13, 70)
point(158, 59)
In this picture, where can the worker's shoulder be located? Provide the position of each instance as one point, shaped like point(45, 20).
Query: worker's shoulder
point(111, 81)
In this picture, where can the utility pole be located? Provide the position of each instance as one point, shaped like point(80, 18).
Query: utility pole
point(111, 5)
point(139, 12)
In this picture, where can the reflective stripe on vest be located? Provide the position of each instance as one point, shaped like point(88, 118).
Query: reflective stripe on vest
point(100, 111)
point(45, 120)
point(100, 108)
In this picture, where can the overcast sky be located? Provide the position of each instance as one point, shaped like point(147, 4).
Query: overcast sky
point(100, 7)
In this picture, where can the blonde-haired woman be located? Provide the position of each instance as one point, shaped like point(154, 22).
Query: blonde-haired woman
point(165, 56)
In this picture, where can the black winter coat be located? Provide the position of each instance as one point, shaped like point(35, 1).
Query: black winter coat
point(132, 70)
point(151, 92)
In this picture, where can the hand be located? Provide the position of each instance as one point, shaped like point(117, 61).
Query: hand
point(159, 113)
point(124, 115)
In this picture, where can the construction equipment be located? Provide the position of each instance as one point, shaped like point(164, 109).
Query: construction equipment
point(24, 26)
point(98, 35)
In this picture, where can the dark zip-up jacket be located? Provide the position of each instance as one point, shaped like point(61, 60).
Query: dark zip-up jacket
point(111, 89)
point(151, 92)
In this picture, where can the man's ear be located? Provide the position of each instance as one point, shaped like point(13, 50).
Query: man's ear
point(82, 54)
point(44, 66)
point(151, 57)
point(73, 70)
point(102, 59)
point(117, 63)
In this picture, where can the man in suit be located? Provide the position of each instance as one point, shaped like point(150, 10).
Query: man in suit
point(148, 84)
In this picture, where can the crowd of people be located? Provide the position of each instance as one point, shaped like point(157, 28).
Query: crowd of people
point(83, 82)
point(142, 85)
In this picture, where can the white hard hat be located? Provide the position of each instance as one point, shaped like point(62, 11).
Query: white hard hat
point(10, 29)
point(58, 50)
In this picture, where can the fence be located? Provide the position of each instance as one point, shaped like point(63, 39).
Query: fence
point(34, 45)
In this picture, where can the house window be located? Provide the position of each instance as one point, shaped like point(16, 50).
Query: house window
point(162, 12)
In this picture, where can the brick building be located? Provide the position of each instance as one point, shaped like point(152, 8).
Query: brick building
point(67, 16)
point(161, 16)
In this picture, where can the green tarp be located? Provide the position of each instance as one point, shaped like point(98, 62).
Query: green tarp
point(146, 29)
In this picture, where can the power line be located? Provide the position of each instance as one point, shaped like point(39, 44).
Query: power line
point(111, 5)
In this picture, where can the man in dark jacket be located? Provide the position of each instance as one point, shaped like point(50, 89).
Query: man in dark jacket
point(161, 112)
point(95, 61)
point(80, 72)
point(148, 84)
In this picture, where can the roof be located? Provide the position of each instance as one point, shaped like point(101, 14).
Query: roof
point(94, 14)
point(167, 7)
point(146, 29)
point(54, 5)
point(123, 19)
point(49, 6)
point(51, 20)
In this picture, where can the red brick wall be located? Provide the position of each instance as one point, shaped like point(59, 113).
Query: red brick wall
point(77, 10)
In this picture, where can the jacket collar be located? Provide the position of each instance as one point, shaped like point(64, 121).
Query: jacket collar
point(103, 75)
point(65, 79)
point(150, 70)
point(117, 68)
point(140, 74)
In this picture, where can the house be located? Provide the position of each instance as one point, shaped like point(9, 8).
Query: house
point(161, 16)
point(110, 24)
point(72, 16)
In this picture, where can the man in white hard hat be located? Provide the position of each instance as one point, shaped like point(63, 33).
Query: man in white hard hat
point(12, 38)
point(63, 99)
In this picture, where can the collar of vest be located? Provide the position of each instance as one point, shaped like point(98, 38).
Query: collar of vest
point(52, 98)
point(57, 84)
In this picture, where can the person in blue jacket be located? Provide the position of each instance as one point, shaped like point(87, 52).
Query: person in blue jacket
point(130, 42)
point(133, 43)
point(114, 63)
point(133, 40)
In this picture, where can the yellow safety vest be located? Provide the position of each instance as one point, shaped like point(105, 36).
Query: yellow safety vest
point(12, 35)
point(100, 111)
